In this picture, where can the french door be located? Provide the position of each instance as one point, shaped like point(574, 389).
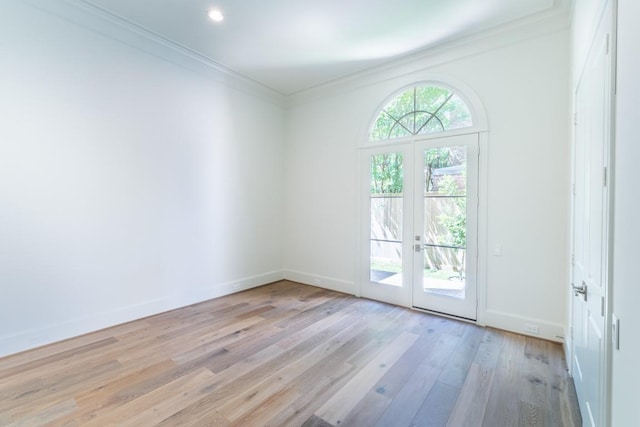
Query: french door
point(420, 224)
point(445, 225)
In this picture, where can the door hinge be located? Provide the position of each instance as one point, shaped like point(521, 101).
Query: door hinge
point(615, 332)
point(573, 189)
point(575, 119)
point(602, 306)
point(573, 259)
point(605, 177)
point(608, 40)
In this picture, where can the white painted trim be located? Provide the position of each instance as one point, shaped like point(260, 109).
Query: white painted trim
point(33, 338)
point(100, 21)
point(390, 143)
point(514, 323)
point(496, 319)
point(483, 227)
point(324, 282)
point(566, 347)
point(593, 32)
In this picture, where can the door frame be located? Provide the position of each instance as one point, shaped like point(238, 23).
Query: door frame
point(405, 299)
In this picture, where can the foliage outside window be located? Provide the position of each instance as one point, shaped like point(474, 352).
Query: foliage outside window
point(386, 174)
point(421, 110)
point(445, 204)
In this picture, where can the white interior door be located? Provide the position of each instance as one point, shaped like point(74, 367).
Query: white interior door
point(445, 225)
point(590, 232)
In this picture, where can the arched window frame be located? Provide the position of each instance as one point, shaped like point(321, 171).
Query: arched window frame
point(465, 93)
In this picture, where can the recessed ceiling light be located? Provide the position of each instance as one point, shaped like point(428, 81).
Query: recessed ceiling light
point(216, 15)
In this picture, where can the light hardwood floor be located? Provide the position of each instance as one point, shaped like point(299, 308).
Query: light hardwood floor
point(287, 354)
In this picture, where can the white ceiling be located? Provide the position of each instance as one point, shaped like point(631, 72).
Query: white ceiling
point(293, 45)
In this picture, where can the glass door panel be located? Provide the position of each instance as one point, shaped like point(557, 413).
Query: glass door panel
point(386, 206)
point(445, 225)
point(445, 218)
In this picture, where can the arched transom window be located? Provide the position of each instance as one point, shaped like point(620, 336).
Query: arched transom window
point(421, 110)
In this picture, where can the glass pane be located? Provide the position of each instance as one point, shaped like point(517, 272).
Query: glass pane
point(421, 110)
point(445, 171)
point(422, 118)
point(386, 263)
point(455, 114)
point(398, 131)
point(445, 220)
point(386, 174)
point(444, 271)
point(386, 218)
point(434, 124)
point(401, 105)
point(408, 122)
point(430, 98)
point(382, 127)
point(386, 205)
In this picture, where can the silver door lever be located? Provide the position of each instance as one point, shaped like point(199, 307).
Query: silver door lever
point(582, 289)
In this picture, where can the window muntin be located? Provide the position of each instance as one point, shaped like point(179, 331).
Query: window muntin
point(421, 110)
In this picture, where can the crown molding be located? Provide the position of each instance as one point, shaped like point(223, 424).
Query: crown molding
point(98, 20)
point(543, 24)
point(93, 18)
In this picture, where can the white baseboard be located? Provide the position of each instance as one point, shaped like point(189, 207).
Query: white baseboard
point(227, 288)
point(525, 325)
point(567, 346)
point(493, 318)
point(29, 339)
point(331, 283)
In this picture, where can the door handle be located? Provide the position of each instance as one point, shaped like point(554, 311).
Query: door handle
point(582, 289)
point(417, 247)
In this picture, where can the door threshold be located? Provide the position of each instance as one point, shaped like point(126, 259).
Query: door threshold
point(447, 315)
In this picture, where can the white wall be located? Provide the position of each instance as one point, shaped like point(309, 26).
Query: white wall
point(524, 89)
point(133, 182)
point(129, 184)
point(626, 292)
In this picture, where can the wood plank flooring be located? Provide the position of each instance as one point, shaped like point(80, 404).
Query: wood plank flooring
point(287, 354)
